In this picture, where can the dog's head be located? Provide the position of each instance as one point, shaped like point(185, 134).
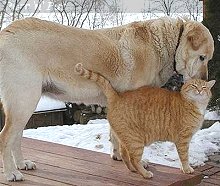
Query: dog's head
point(195, 49)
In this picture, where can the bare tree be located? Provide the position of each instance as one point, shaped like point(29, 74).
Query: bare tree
point(17, 9)
point(38, 4)
point(100, 15)
point(117, 12)
point(11, 10)
point(72, 12)
point(194, 8)
point(147, 10)
point(3, 9)
point(168, 7)
point(106, 13)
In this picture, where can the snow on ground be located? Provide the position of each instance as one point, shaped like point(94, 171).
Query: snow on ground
point(46, 103)
point(95, 136)
point(212, 115)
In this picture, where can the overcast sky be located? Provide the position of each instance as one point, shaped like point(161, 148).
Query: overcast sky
point(133, 5)
point(139, 5)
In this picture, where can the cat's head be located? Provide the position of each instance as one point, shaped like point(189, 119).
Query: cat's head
point(197, 90)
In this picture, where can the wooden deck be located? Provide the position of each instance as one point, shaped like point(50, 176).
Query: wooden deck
point(59, 165)
point(211, 171)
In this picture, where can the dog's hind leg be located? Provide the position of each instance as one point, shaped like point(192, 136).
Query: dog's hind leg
point(19, 100)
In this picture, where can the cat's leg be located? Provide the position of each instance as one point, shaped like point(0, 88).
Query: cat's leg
point(126, 159)
point(135, 148)
point(145, 163)
point(135, 154)
point(115, 154)
point(183, 150)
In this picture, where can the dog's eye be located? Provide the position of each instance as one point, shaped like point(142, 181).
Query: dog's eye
point(202, 58)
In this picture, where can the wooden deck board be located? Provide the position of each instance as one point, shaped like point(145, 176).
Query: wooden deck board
point(31, 180)
point(211, 171)
point(63, 165)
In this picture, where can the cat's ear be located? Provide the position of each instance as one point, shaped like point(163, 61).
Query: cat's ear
point(211, 83)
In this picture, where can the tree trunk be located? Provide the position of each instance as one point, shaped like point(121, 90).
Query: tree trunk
point(211, 21)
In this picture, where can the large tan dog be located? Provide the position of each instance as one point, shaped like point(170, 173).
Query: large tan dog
point(38, 58)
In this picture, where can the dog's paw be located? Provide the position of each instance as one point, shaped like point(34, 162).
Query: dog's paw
point(187, 170)
point(26, 165)
point(78, 68)
point(14, 176)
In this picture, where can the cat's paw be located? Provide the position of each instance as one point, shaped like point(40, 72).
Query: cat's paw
point(14, 176)
point(188, 170)
point(145, 163)
point(26, 165)
point(147, 174)
point(115, 155)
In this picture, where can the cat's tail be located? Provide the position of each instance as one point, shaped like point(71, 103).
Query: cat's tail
point(103, 83)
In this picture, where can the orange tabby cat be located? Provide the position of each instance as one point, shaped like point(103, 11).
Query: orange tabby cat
point(148, 114)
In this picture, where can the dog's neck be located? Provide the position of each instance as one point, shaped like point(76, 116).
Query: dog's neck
point(178, 43)
point(171, 41)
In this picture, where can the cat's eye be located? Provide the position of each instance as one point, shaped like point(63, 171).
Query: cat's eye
point(202, 58)
point(204, 87)
point(194, 86)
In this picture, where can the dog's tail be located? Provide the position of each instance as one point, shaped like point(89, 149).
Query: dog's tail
point(103, 83)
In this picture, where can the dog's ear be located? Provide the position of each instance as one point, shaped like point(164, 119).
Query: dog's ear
point(195, 38)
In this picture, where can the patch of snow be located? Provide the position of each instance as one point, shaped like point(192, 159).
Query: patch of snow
point(95, 136)
point(213, 115)
point(46, 103)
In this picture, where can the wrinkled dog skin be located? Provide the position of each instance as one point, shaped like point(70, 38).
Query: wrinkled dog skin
point(38, 57)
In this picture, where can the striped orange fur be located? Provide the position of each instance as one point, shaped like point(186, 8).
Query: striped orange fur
point(143, 116)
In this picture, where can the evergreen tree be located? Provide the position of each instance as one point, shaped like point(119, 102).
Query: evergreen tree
point(212, 22)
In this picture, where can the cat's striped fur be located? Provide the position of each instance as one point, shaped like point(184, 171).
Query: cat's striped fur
point(143, 116)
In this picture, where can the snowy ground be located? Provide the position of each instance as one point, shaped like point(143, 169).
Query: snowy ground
point(46, 103)
point(95, 135)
